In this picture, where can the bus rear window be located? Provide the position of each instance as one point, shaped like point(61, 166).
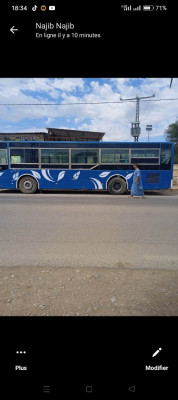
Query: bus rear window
point(165, 157)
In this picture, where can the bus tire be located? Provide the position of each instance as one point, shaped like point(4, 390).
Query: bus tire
point(27, 185)
point(117, 185)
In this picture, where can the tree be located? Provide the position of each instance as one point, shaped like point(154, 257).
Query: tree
point(172, 133)
point(172, 136)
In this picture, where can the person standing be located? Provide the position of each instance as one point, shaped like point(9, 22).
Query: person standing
point(137, 187)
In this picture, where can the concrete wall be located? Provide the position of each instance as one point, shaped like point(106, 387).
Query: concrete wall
point(175, 174)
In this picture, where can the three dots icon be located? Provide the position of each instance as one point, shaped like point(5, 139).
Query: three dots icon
point(21, 352)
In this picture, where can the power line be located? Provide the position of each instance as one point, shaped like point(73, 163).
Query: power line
point(175, 98)
point(149, 85)
point(126, 113)
point(56, 104)
point(142, 117)
point(146, 110)
point(73, 104)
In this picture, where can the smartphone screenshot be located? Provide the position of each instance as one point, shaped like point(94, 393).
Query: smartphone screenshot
point(88, 200)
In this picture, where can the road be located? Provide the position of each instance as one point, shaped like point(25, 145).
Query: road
point(73, 230)
point(89, 234)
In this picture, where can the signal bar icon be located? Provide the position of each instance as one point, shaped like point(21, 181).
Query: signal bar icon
point(139, 8)
point(126, 7)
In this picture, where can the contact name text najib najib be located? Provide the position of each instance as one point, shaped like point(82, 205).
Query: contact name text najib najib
point(60, 25)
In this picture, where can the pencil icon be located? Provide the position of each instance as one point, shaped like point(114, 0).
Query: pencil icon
point(156, 352)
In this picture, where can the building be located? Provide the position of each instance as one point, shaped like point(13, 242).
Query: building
point(54, 134)
point(19, 136)
point(72, 135)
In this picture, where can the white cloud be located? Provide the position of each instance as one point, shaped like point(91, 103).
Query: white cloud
point(49, 121)
point(68, 84)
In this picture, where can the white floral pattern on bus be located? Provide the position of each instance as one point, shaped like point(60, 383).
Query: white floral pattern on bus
point(36, 174)
point(76, 176)
point(97, 183)
point(15, 176)
point(129, 176)
point(61, 175)
point(104, 174)
point(46, 175)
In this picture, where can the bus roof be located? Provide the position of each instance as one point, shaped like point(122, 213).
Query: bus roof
point(77, 141)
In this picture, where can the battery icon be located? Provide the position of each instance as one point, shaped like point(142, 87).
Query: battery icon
point(148, 8)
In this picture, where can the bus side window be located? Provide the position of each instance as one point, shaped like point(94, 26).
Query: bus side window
point(115, 156)
point(15, 159)
point(23, 156)
point(3, 157)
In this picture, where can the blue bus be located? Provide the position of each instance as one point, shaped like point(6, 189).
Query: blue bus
point(29, 166)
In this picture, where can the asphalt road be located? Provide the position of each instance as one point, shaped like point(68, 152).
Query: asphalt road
point(84, 230)
point(76, 254)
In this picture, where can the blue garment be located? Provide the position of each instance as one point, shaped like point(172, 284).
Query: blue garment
point(137, 188)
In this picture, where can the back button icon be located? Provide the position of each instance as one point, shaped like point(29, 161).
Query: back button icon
point(131, 389)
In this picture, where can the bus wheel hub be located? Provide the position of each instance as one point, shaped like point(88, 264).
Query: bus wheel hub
point(27, 185)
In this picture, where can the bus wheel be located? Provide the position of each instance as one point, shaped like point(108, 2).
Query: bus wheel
point(117, 186)
point(28, 185)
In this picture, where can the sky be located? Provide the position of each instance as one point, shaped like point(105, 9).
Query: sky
point(113, 119)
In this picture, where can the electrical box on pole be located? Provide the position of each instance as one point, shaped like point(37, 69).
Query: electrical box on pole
point(135, 130)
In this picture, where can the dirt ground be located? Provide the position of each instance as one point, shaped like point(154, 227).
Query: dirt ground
point(88, 292)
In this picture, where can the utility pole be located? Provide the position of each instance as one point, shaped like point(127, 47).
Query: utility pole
point(135, 128)
point(171, 83)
